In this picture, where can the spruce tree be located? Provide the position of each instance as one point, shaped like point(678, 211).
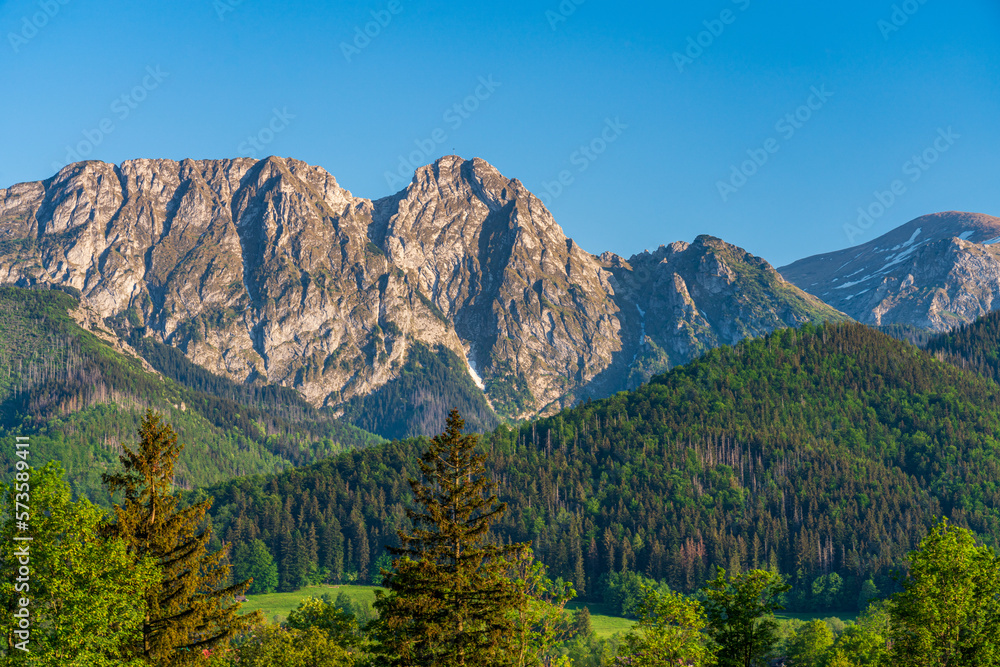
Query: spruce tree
point(449, 600)
point(190, 608)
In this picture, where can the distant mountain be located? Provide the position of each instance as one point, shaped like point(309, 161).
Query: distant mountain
point(819, 451)
point(935, 272)
point(78, 392)
point(270, 272)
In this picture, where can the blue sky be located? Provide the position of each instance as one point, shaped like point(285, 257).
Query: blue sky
point(642, 111)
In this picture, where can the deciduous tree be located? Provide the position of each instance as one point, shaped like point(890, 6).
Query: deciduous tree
point(671, 631)
point(253, 561)
point(85, 594)
point(741, 615)
point(863, 644)
point(810, 647)
point(949, 610)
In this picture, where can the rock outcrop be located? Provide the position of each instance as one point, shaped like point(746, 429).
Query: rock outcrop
point(271, 271)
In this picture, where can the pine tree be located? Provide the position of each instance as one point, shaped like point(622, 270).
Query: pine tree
point(190, 608)
point(449, 601)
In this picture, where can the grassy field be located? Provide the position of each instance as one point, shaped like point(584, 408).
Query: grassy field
point(277, 605)
point(604, 624)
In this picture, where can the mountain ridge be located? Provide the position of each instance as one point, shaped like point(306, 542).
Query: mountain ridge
point(935, 272)
point(269, 271)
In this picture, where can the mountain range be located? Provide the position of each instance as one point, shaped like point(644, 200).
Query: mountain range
point(269, 272)
point(739, 419)
point(461, 289)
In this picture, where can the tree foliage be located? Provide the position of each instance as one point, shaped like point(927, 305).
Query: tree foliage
point(811, 644)
point(190, 608)
point(85, 594)
point(448, 600)
point(866, 642)
point(340, 626)
point(949, 611)
point(741, 616)
point(278, 646)
point(254, 563)
point(671, 631)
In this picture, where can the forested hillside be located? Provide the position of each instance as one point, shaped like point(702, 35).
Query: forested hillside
point(418, 401)
point(974, 346)
point(79, 400)
point(824, 452)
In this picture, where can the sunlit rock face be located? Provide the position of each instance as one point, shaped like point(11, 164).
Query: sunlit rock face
point(270, 271)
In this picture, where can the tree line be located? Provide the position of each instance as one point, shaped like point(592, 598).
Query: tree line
point(822, 453)
point(141, 586)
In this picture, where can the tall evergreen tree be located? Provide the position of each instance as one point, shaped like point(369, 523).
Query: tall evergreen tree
point(189, 608)
point(449, 601)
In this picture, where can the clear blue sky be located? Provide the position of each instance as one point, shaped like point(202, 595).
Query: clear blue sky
point(228, 70)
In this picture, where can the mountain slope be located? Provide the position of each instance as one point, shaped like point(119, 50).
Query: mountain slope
point(934, 272)
point(974, 346)
point(689, 298)
point(270, 272)
point(826, 450)
point(78, 392)
point(419, 400)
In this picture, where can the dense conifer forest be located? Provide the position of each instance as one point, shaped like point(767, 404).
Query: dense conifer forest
point(417, 403)
point(974, 346)
point(824, 452)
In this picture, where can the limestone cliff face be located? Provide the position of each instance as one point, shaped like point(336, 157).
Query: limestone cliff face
point(935, 272)
point(269, 270)
point(688, 298)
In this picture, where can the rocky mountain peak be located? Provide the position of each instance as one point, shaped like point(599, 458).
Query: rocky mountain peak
point(934, 272)
point(269, 270)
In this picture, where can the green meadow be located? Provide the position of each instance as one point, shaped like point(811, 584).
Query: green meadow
point(275, 606)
